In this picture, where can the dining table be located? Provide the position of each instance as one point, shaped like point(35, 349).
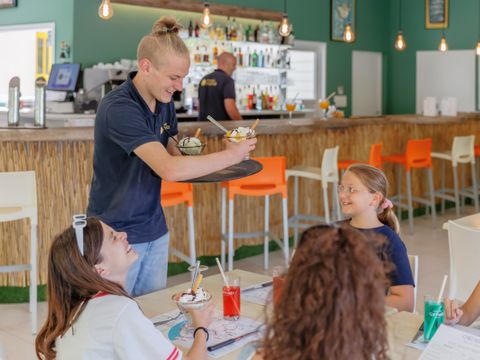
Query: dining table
point(401, 326)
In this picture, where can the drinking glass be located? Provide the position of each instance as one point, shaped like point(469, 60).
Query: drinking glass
point(290, 106)
point(231, 299)
point(433, 318)
point(278, 281)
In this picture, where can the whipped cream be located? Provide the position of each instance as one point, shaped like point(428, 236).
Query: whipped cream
point(239, 133)
point(188, 297)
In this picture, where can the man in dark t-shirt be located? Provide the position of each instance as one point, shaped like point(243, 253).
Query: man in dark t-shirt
point(216, 91)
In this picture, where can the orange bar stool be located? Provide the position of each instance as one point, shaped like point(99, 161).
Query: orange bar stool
point(417, 156)
point(269, 181)
point(462, 153)
point(327, 173)
point(174, 193)
point(374, 159)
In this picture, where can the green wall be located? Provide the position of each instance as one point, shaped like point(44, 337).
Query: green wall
point(59, 12)
point(97, 40)
point(462, 33)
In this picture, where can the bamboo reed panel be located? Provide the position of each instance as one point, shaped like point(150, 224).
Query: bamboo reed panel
point(64, 170)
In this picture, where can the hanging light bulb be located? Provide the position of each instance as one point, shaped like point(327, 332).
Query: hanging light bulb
point(478, 48)
point(443, 46)
point(285, 27)
point(348, 35)
point(105, 11)
point(400, 43)
point(206, 17)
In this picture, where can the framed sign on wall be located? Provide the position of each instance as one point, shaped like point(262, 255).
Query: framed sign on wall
point(436, 14)
point(8, 3)
point(342, 12)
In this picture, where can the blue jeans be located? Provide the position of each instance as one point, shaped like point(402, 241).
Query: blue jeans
point(149, 272)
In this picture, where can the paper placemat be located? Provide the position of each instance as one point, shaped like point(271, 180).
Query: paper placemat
point(178, 332)
point(260, 296)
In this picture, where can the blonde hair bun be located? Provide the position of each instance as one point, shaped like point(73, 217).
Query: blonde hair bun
point(166, 25)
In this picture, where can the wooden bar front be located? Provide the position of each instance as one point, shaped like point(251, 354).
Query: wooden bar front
point(62, 160)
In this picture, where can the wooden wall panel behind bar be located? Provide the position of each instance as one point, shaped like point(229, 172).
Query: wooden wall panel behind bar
point(64, 170)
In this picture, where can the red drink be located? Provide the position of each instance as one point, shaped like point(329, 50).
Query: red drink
point(231, 302)
point(277, 288)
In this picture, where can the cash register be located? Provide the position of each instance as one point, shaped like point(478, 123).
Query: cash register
point(62, 83)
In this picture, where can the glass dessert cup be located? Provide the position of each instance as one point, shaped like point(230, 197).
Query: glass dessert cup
point(186, 306)
point(191, 150)
point(237, 138)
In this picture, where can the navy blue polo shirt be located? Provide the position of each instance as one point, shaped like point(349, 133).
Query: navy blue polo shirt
point(125, 192)
point(397, 251)
point(213, 89)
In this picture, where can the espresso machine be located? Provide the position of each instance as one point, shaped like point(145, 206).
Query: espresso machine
point(98, 82)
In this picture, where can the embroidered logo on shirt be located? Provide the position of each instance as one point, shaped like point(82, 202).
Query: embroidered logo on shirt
point(208, 82)
point(164, 127)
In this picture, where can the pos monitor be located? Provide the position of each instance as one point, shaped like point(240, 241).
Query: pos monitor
point(63, 77)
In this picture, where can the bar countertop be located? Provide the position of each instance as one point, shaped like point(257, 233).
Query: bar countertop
point(80, 127)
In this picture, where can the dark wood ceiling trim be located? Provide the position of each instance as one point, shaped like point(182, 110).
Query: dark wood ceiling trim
point(216, 9)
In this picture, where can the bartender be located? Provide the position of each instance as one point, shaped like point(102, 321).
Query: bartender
point(216, 92)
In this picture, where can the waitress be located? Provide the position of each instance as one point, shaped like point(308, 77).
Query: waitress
point(133, 129)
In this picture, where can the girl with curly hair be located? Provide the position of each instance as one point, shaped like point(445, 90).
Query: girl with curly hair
point(333, 300)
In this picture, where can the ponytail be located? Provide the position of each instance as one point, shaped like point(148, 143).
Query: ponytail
point(387, 216)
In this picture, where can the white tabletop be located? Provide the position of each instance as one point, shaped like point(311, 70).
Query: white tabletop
point(401, 326)
point(471, 221)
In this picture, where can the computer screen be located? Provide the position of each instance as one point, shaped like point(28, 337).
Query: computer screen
point(63, 77)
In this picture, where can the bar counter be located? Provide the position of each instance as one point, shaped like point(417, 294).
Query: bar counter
point(62, 159)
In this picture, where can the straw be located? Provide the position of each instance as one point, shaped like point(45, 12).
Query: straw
point(215, 122)
point(295, 98)
point(255, 124)
point(195, 272)
point(442, 289)
point(197, 133)
point(222, 272)
point(197, 283)
point(330, 96)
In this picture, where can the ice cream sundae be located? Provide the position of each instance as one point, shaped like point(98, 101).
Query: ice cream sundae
point(191, 145)
point(190, 300)
point(240, 134)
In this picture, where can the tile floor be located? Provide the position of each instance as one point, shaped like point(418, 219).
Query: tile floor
point(431, 244)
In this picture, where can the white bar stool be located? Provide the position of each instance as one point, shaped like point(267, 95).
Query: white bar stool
point(462, 153)
point(327, 173)
point(18, 200)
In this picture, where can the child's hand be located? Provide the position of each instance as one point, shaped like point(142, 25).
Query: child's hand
point(452, 312)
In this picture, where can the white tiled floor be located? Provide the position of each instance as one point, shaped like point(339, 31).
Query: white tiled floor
point(429, 243)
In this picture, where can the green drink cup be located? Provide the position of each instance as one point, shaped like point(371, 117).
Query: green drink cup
point(433, 318)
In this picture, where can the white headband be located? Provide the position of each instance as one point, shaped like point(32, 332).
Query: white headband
point(79, 222)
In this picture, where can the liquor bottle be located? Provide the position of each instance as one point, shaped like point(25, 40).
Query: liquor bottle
point(271, 34)
point(247, 57)
point(261, 59)
point(248, 30)
point(267, 58)
point(239, 57)
point(228, 29)
point(259, 100)
point(263, 33)
point(254, 58)
point(254, 100)
point(256, 33)
point(206, 55)
point(197, 57)
point(190, 29)
point(233, 30)
point(214, 54)
point(212, 33)
point(197, 29)
point(240, 32)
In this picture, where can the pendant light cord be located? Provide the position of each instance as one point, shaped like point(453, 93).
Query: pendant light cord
point(400, 15)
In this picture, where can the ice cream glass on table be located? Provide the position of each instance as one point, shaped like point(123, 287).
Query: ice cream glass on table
point(191, 145)
point(193, 298)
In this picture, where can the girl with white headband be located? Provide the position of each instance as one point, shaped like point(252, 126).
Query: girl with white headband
point(363, 198)
point(90, 315)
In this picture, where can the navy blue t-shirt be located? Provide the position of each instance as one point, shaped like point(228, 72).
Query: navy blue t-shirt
point(397, 252)
point(213, 89)
point(125, 192)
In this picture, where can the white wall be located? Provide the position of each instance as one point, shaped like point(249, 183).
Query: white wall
point(18, 57)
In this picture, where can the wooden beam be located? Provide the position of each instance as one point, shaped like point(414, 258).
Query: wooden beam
point(216, 9)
